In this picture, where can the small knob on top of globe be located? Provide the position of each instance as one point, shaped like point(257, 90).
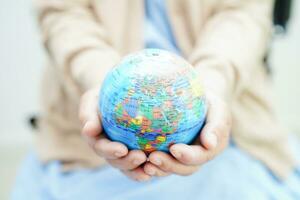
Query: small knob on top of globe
point(151, 100)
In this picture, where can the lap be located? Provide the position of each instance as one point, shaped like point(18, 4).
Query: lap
point(232, 175)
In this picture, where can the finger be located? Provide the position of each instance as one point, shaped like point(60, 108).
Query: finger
point(191, 154)
point(131, 161)
point(110, 150)
point(88, 114)
point(218, 124)
point(91, 131)
point(168, 164)
point(137, 174)
point(152, 170)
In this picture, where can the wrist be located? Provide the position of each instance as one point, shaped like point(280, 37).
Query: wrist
point(91, 66)
point(214, 81)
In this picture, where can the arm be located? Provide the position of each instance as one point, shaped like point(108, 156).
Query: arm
point(80, 48)
point(233, 43)
point(228, 51)
point(76, 41)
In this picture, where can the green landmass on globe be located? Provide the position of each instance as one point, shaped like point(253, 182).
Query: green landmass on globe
point(152, 100)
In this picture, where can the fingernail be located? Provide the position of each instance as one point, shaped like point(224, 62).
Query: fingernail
point(83, 132)
point(151, 172)
point(136, 162)
point(118, 154)
point(176, 154)
point(212, 139)
point(156, 161)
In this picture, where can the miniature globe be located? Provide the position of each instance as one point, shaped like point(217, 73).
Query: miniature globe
point(151, 100)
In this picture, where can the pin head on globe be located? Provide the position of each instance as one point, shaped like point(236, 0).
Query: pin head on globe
point(151, 100)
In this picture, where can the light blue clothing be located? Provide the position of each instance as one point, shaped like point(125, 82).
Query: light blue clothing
point(232, 175)
point(158, 32)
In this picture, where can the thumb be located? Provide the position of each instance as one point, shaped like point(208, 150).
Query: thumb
point(88, 114)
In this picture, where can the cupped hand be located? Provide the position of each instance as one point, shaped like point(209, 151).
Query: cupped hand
point(115, 153)
point(186, 159)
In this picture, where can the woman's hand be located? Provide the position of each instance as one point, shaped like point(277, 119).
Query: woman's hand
point(186, 159)
point(183, 160)
point(115, 153)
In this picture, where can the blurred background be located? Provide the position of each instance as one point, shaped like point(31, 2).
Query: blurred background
point(21, 64)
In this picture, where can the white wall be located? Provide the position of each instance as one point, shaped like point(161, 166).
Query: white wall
point(286, 62)
point(21, 61)
point(20, 67)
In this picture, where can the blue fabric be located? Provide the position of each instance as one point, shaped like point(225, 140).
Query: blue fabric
point(158, 32)
point(232, 175)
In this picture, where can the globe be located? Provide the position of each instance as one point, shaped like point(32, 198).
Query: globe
point(151, 100)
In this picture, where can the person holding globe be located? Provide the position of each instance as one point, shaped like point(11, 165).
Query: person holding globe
point(241, 151)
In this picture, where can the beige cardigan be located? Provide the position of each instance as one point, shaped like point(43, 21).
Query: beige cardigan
point(84, 38)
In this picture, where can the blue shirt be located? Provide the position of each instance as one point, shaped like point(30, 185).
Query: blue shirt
point(158, 31)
